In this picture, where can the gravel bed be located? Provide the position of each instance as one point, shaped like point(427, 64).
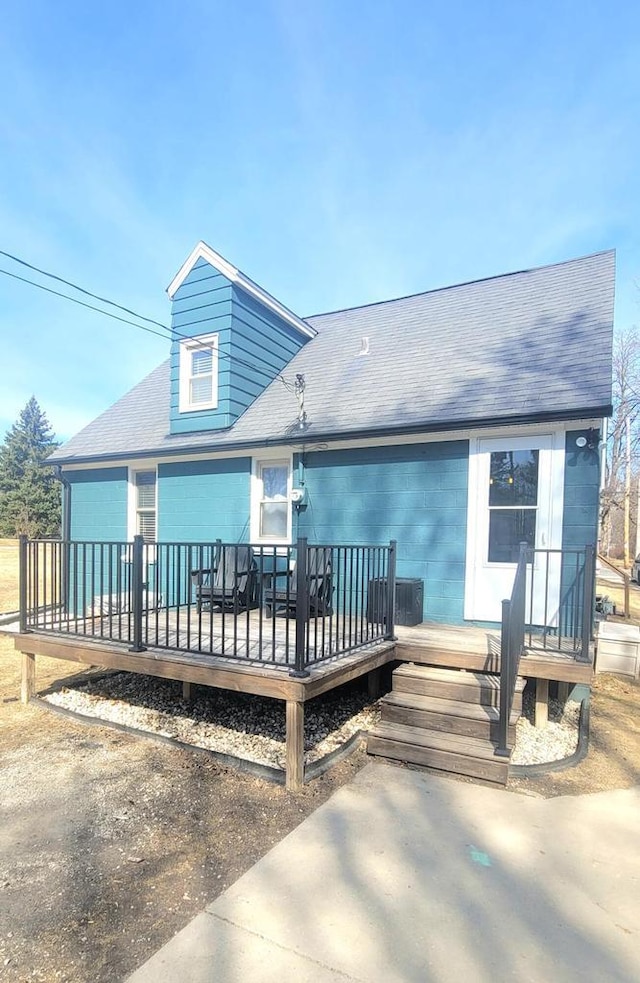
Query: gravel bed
point(253, 727)
point(539, 745)
point(249, 727)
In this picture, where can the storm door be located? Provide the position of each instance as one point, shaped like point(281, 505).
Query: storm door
point(515, 496)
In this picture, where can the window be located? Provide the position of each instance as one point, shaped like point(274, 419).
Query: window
point(513, 503)
point(199, 373)
point(271, 511)
point(145, 505)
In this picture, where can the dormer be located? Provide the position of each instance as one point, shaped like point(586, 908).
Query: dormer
point(231, 340)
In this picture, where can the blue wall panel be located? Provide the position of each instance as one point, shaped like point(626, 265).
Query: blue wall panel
point(98, 504)
point(199, 501)
point(416, 494)
point(581, 493)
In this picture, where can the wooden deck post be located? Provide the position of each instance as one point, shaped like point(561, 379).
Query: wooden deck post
point(563, 691)
point(187, 691)
point(542, 703)
point(295, 744)
point(374, 683)
point(28, 688)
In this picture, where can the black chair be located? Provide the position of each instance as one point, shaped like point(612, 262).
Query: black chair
point(231, 585)
point(284, 600)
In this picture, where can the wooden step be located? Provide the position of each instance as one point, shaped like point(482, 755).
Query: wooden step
point(446, 753)
point(452, 684)
point(434, 655)
point(458, 717)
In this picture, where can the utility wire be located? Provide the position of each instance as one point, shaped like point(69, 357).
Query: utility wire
point(69, 283)
point(82, 303)
point(172, 332)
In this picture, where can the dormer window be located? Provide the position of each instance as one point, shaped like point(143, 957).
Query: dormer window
point(199, 373)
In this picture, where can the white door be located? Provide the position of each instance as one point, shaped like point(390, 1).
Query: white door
point(515, 495)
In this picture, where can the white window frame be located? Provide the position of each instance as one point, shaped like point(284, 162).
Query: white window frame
point(132, 518)
point(257, 498)
point(187, 347)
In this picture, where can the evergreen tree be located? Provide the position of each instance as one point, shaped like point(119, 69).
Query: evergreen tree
point(29, 493)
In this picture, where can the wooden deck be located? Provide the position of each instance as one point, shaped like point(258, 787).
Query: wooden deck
point(478, 650)
point(264, 659)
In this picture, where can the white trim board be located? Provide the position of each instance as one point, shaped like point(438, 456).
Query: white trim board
point(232, 273)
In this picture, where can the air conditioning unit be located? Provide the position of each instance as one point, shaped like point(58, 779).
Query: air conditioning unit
point(409, 601)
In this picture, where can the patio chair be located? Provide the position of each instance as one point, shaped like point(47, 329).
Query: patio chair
point(283, 600)
point(231, 584)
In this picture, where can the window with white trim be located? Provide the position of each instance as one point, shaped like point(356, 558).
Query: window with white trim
point(271, 519)
point(199, 373)
point(145, 505)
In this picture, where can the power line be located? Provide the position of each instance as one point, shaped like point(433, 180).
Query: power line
point(172, 332)
point(88, 293)
point(82, 303)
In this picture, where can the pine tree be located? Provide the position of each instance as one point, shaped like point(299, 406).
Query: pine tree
point(29, 493)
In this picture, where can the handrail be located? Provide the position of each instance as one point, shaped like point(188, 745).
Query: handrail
point(511, 648)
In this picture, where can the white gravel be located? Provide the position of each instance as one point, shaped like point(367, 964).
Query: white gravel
point(248, 727)
point(539, 745)
point(253, 728)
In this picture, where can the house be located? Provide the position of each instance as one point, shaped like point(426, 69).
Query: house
point(458, 422)
point(444, 445)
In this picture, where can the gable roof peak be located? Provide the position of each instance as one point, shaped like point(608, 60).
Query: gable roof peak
point(232, 273)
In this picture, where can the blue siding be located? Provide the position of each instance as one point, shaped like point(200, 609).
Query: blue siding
point(202, 305)
point(416, 494)
point(581, 494)
point(99, 504)
point(207, 303)
point(261, 340)
point(199, 501)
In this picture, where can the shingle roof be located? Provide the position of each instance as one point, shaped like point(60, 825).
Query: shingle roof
point(529, 345)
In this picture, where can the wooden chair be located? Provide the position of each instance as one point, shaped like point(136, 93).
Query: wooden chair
point(284, 600)
point(231, 584)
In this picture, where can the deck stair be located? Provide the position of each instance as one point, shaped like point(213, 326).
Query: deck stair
point(445, 720)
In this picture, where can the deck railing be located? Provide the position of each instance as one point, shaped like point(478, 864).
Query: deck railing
point(560, 602)
point(292, 606)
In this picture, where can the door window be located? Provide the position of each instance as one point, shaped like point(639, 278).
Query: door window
point(513, 503)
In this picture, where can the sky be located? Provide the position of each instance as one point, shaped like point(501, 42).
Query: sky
point(337, 152)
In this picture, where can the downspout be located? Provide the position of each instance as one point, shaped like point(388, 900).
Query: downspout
point(66, 502)
point(65, 535)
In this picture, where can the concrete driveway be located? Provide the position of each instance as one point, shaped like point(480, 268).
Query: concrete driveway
point(405, 877)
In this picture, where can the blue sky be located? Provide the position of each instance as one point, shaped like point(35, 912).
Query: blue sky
point(336, 152)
